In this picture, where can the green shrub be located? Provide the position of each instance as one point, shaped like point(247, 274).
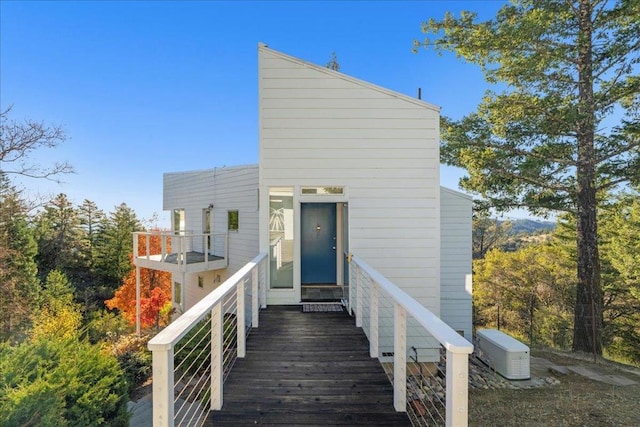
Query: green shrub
point(61, 382)
point(188, 351)
point(134, 358)
point(105, 326)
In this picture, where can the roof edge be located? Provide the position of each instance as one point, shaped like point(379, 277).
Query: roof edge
point(214, 169)
point(456, 193)
point(421, 103)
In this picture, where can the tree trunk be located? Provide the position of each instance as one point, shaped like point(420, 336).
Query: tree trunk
point(587, 330)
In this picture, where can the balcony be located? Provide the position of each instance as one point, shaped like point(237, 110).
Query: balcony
point(182, 252)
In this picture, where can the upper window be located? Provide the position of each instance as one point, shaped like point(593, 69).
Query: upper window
point(233, 221)
point(178, 221)
point(322, 191)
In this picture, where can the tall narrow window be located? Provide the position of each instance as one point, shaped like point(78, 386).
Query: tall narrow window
point(178, 221)
point(177, 293)
point(281, 237)
point(233, 220)
point(206, 228)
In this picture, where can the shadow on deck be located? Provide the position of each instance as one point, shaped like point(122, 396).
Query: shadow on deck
point(191, 257)
point(307, 369)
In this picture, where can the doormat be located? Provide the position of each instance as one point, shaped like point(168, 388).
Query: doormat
point(322, 308)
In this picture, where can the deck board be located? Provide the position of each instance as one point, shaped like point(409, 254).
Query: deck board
point(307, 369)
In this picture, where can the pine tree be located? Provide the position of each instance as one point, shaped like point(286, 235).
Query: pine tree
point(541, 140)
point(115, 244)
point(19, 284)
point(59, 238)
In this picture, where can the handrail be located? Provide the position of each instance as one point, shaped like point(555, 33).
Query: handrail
point(227, 307)
point(178, 328)
point(457, 348)
point(449, 338)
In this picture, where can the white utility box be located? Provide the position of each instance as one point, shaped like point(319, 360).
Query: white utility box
point(506, 355)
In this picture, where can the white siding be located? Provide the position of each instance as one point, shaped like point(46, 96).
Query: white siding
point(321, 127)
point(456, 253)
point(233, 188)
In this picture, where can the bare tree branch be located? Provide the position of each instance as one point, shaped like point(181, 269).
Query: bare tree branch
point(18, 140)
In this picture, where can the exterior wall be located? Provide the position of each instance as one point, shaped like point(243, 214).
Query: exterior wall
point(456, 254)
point(233, 188)
point(319, 127)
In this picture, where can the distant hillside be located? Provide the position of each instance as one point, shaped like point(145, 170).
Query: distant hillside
point(530, 226)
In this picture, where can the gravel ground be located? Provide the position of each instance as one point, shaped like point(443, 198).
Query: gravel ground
point(574, 400)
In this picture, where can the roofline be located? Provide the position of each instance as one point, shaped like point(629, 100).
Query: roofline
point(456, 193)
point(419, 102)
point(214, 169)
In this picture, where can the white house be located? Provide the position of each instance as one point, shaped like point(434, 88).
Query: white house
point(345, 167)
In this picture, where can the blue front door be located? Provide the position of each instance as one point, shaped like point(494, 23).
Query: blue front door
point(318, 243)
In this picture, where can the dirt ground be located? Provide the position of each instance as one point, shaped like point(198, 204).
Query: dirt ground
point(576, 401)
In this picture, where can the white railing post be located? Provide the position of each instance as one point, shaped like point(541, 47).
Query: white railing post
point(162, 370)
point(226, 248)
point(358, 298)
point(217, 356)
point(135, 246)
point(352, 292)
point(138, 326)
point(255, 309)
point(240, 319)
point(163, 250)
point(263, 285)
point(457, 389)
point(205, 250)
point(373, 321)
point(399, 358)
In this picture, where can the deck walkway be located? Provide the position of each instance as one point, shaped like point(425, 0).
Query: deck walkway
point(307, 369)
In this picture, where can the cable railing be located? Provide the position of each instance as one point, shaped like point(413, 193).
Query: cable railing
point(193, 355)
point(425, 359)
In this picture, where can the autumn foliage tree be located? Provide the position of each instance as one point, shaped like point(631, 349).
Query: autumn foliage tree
point(155, 291)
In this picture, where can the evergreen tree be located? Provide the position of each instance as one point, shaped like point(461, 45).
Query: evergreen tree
point(115, 244)
point(19, 284)
point(333, 63)
point(542, 141)
point(59, 238)
point(91, 220)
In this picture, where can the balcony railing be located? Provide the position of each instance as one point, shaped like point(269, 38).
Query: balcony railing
point(178, 250)
point(432, 386)
point(193, 355)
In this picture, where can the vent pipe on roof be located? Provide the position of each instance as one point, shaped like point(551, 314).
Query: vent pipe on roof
point(419, 93)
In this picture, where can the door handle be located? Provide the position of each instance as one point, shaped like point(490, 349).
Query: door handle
point(334, 248)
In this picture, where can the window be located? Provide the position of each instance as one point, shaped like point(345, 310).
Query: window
point(281, 237)
point(233, 220)
point(206, 227)
point(177, 293)
point(322, 191)
point(178, 221)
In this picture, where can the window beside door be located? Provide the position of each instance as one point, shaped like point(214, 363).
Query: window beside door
point(281, 237)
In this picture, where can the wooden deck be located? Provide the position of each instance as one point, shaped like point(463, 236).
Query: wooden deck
point(307, 369)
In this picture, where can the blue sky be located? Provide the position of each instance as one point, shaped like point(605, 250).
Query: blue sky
point(149, 87)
